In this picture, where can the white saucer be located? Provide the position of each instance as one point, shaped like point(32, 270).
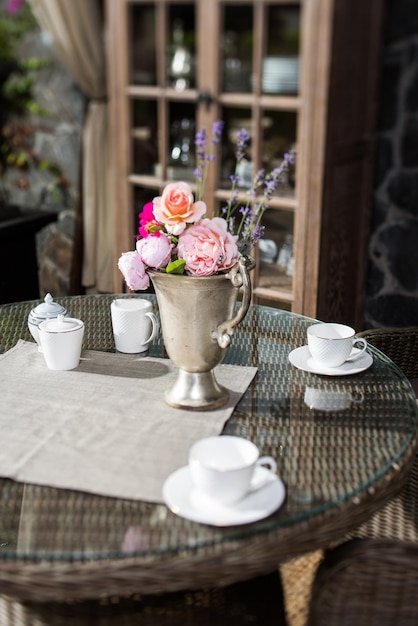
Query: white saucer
point(301, 358)
point(185, 501)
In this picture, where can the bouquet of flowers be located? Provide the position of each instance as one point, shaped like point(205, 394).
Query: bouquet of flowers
point(176, 237)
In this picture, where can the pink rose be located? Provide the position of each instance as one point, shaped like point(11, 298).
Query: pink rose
point(147, 222)
point(208, 247)
point(133, 271)
point(176, 207)
point(155, 251)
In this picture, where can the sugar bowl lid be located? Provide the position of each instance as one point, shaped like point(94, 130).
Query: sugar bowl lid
point(61, 324)
point(48, 309)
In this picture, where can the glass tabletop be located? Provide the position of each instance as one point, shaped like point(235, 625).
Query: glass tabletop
point(339, 441)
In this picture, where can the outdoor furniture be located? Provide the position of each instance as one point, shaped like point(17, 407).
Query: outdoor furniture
point(366, 582)
point(338, 468)
point(399, 344)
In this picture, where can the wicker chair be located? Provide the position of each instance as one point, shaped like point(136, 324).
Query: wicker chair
point(399, 344)
point(366, 582)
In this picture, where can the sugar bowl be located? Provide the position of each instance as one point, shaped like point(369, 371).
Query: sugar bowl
point(47, 310)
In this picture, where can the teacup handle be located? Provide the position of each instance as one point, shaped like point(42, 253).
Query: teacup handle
point(270, 464)
point(357, 354)
point(239, 277)
point(155, 326)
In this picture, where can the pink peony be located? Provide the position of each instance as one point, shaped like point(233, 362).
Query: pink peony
point(208, 247)
point(176, 207)
point(148, 225)
point(133, 271)
point(155, 251)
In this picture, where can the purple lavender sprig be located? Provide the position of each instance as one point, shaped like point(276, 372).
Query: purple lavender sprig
point(248, 228)
point(243, 214)
point(202, 158)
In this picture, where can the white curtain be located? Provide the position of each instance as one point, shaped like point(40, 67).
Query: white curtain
point(77, 31)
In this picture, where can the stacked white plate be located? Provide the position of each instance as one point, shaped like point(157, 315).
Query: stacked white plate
point(280, 74)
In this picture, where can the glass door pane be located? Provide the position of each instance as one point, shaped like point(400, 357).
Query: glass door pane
point(276, 260)
point(181, 162)
point(237, 48)
point(236, 119)
point(181, 47)
point(278, 131)
point(280, 73)
point(144, 131)
point(143, 48)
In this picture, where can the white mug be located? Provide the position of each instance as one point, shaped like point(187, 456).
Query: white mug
point(61, 340)
point(223, 468)
point(331, 400)
point(134, 324)
point(332, 344)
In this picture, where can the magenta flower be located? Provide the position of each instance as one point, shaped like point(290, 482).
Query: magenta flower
point(155, 251)
point(208, 247)
point(13, 6)
point(133, 270)
point(148, 225)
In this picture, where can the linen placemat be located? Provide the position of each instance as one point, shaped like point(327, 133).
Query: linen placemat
point(103, 427)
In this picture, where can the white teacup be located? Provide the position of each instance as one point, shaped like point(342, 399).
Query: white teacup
point(330, 400)
point(332, 344)
point(223, 467)
point(61, 340)
point(134, 324)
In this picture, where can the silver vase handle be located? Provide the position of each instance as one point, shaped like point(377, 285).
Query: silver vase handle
point(239, 277)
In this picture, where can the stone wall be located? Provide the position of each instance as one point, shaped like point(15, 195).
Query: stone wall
point(392, 292)
point(57, 137)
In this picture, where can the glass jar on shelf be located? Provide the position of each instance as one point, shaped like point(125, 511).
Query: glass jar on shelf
point(181, 65)
point(182, 148)
point(285, 259)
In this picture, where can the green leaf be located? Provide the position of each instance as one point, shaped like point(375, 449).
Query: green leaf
point(22, 159)
point(176, 267)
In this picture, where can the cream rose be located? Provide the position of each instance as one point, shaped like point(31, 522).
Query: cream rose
point(176, 208)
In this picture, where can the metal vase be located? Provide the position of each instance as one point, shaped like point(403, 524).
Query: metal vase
point(197, 321)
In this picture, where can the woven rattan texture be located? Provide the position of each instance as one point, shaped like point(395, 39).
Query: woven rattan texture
point(297, 576)
point(398, 519)
point(366, 583)
point(400, 344)
point(338, 467)
point(259, 601)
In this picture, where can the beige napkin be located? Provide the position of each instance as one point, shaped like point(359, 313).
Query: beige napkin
point(103, 427)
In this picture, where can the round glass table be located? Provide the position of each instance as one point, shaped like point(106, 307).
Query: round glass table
point(343, 444)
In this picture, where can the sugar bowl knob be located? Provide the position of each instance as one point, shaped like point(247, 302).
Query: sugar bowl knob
point(48, 309)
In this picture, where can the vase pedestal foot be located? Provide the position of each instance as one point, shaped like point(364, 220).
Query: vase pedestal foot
point(196, 391)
